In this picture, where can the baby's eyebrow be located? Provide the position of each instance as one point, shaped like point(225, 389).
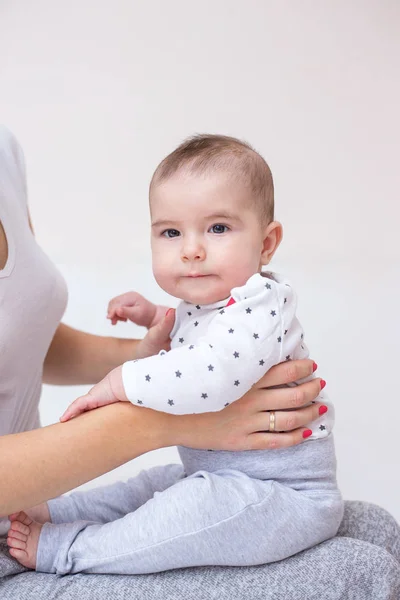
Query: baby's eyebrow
point(224, 215)
point(162, 223)
point(214, 216)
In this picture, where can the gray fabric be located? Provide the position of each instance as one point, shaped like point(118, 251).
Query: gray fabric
point(373, 524)
point(362, 563)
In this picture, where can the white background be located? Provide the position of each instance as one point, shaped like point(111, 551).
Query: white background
point(98, 92)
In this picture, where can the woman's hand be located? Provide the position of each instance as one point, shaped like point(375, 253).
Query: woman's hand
point(157, 338)
point(244, 424)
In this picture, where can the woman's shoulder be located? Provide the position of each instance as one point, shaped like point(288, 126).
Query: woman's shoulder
point(10, 148)
point(8, 141)
point(12, 162)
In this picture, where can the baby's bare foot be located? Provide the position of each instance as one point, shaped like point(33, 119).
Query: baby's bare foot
point(23, 539)
point(39, 513)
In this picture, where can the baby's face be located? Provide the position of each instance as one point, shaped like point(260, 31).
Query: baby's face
point(206, 237)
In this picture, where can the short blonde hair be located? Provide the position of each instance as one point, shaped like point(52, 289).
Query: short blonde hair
point(207, 153)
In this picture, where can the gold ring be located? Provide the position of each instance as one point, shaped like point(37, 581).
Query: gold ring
point(272, 420)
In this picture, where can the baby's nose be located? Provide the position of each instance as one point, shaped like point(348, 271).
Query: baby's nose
point(193, 251)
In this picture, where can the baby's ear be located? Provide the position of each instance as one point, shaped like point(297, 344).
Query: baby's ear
point(272, 238)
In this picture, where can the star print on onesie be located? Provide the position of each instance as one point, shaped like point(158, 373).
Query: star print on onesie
point(218, 351)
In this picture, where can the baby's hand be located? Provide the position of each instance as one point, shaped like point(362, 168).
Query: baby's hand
point(107, 391)
point(134, 307)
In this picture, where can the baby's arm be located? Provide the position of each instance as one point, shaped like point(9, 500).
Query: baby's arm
point(107, 391)
point(243, 342)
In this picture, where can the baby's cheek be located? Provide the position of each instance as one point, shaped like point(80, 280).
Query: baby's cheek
point(164, 276)
point(239, 272)
point(239, 261)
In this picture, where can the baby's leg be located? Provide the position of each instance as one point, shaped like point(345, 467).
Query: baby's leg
point(222, 518)
point(39, 513)
point(107, 503)
point(103, 504)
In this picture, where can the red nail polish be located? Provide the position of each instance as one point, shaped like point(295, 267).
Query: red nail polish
point(168, 311)
point(322, 383)
point(315, 367)
point(323, 409)
point(307, 433)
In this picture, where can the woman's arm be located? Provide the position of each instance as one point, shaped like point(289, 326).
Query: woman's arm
point(43, 463)
point(76, 357)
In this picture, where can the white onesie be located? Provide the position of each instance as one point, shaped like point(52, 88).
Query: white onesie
point(218, 351)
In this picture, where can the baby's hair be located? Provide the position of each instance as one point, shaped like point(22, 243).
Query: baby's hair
point(206, 153)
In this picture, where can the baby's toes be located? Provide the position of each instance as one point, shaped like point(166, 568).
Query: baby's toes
point(20, 527)
point(14, 516)
point(19, 555)
point(17, 535)
point(15, 543)
point(24, 518)
point(20, 516)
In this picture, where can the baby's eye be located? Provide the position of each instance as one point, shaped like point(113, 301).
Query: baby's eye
point(219, 228)
point(170, 233)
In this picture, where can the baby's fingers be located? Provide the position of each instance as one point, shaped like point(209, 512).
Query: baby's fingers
point(140, 313)
point(77, 407)
point(122, 313)
point(127, 299)
point(69, 414)
point(116, 315)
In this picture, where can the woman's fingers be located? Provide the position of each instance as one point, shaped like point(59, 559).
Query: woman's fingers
point(286, 420)
point(287, 372)
point(273, 441)
point(285, 397)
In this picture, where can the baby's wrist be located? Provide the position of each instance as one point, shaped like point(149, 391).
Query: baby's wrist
point(117, 385)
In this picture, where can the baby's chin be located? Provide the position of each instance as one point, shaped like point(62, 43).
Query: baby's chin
point(200, 291)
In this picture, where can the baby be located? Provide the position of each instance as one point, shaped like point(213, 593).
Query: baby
point(213, 229)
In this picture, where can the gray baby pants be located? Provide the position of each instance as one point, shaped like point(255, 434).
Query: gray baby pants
point(167, 518)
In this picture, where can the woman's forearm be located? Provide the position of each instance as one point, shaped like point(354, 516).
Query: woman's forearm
point(78, 358)
point(41, 464)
